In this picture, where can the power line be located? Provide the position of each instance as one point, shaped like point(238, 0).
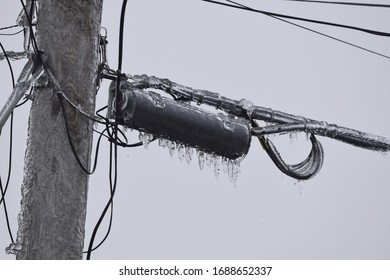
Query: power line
point(4, 190)
point(321, 33)
point(9, 27)
point(344, 3)
point(11, 34)
point(113, 169)
point(369, 31)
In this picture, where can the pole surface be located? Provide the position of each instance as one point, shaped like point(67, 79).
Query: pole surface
point(54, 191)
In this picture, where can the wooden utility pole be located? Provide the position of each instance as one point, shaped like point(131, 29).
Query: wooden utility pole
point(54, 191)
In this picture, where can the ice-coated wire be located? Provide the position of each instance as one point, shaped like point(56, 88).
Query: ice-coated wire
point(301, 171)
point(286, 122)
point(30, 73)
point(371, 5)
point(14, 55)
point(344, 134)
point(249, 9)
point(318, 32)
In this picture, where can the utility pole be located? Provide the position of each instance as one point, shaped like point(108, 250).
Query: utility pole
point(54, 191)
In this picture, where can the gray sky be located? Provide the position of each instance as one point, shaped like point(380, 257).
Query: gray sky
point(165, 209)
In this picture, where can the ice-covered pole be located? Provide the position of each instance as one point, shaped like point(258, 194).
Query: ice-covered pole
point(54, 191)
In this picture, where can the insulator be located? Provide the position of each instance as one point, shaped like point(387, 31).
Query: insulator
point(178, 121)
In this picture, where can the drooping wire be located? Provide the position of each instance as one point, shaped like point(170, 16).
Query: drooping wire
point(369, 31)
point(4, 190)
point(9, 27)
point(11, 126)
point(320, 33)
point(344, 3)
point(11, 34)
point(32, 38)
point(6, 212)
point(85, 169)
point(113, 172)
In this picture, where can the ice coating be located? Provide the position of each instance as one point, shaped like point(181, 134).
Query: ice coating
point(277, 123)
point(284, 122)
point(188, 154)
point(145, 138)
point(171, 147)
point(13, 248)
point(217, 166)
point(220, 134)
point(162, 142)
point(14, 55)
point(215, 162)
point(201, 159)
point(29, 75)
point(180, 151)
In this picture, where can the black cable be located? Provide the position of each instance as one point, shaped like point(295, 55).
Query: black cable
point(29, 19)
point(25, 99)
point(9, 27)
point(72, 144)
point(113, 145)
point(321, 33)
point(113, 183)
point(9, 158)
point(11, 34)
point(111, 211)
point(11, 127)
point(4, 190)
point(6, 212)
point(373, 32)
point(9, 65)
point(121, 28)
point(344, 3)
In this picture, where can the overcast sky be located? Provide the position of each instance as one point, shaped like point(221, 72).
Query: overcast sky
point(166, 209)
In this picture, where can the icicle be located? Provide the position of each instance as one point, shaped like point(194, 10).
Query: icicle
point(201, 159)
point(209, 160)
point(248, 106)
point(13, 248)
point(217, 166)
point(171, 146)
point(293, 137)
point(225, 163)
point(162, 142)
point(149, 139)
point(180, 151)
point(230, 170)
point(145, 138)
point(236, 172)
point(188, 154)
point(141, 137)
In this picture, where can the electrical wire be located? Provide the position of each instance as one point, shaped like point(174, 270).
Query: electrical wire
point(369, 31)
point(321, 33)
point(4, 190)
point(9, 64)
point(6, 212)
point(113, 170)
point(25, 99)
point(33, 40)
point(344, 3)
point(11, 34)
point(60, 97)
point(110, 203)
point(9, 27)
point(11, 127)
